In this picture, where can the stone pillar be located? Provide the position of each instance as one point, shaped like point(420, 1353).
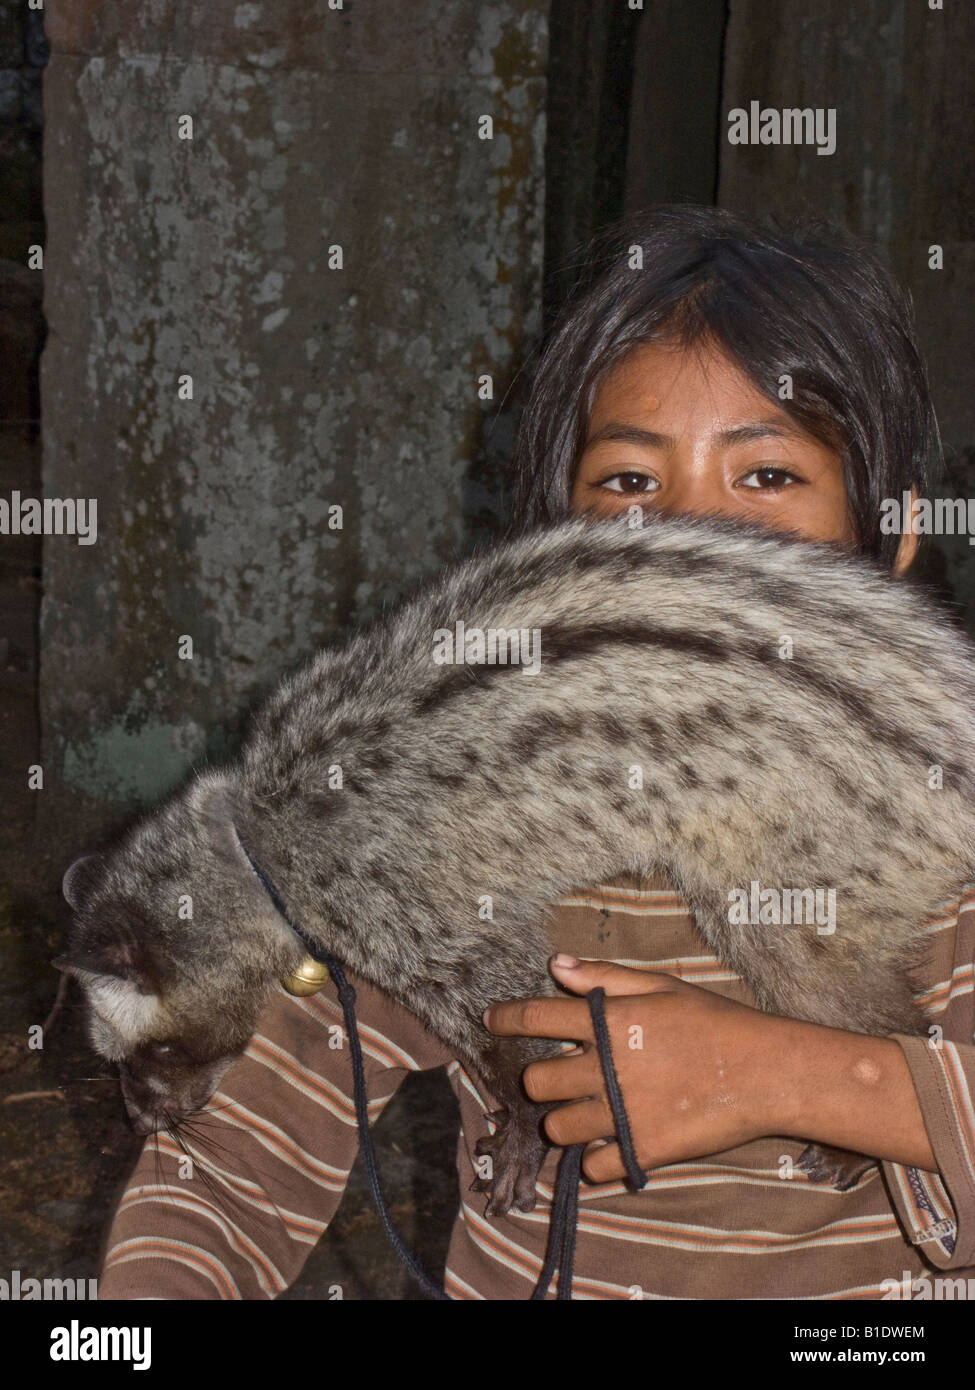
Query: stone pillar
point(287, 243)
point(672, 149)
point(23, 53)
point(899, 78)
point(590, 76)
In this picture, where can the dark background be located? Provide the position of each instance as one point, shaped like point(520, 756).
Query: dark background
point(458, 256)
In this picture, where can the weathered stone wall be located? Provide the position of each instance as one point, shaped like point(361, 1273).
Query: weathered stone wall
point(313, 387)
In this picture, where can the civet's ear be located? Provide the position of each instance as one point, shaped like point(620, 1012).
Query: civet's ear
point(80, 879)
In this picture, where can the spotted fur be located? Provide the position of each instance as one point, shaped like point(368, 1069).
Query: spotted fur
point(845, 761)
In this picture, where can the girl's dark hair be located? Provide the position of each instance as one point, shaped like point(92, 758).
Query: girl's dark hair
point(814, 303)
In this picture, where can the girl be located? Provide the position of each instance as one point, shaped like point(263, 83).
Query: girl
point(708, 366)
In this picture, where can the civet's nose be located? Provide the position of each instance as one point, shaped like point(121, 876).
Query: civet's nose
point(142, 1121)
point(142, 1118)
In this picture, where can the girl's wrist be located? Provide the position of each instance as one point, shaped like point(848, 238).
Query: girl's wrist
point(845, 1089)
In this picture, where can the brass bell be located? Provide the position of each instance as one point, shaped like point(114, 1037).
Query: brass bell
point(309, 978)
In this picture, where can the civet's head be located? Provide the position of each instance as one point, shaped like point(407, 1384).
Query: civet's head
point(176, 945)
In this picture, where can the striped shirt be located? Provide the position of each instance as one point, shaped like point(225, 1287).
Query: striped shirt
point(744, 1223)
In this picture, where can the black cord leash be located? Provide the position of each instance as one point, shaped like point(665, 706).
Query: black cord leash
point(347, 1000)
point(621, 1120)
point(560, 1253)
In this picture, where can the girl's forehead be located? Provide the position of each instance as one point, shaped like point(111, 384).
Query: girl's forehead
point(655, 380)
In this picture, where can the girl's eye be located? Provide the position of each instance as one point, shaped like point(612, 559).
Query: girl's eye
point(629, 482)
point(770, 477)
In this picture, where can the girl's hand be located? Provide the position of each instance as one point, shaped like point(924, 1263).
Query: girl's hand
point(700, 1074)
point(695, 1069)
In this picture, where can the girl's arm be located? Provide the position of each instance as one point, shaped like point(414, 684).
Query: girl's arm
point(701, 1074)
point(843, 1089)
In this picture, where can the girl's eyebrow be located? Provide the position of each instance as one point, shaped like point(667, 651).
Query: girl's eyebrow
point(620, 433)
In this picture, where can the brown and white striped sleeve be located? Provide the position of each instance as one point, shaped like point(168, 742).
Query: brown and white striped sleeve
point(938, 1209)
point(270, 1154)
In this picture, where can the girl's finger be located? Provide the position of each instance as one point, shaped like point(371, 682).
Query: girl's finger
point(579, 1123)
point(568, 1019)
point(569, 1077)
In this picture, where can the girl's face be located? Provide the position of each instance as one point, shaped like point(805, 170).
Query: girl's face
point(686, 432)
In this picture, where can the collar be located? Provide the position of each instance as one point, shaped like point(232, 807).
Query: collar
point(313, 972)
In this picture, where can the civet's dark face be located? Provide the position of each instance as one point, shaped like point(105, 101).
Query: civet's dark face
point(171, 1001)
